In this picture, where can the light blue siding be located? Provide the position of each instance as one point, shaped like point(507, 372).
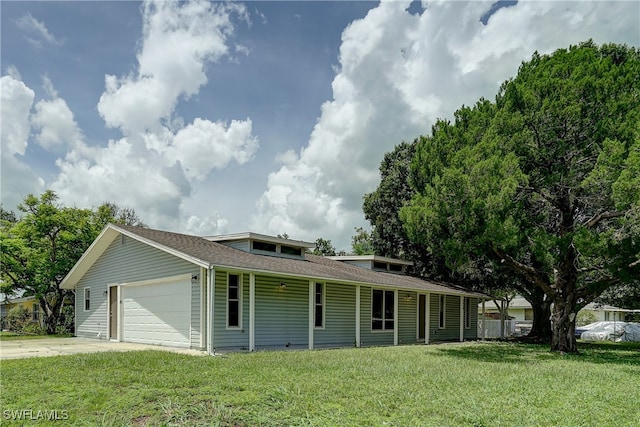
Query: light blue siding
point(340, 320)
point(451, 332)
point(281, 314)
point(367, 336)
point(471, 333)
point(124, 261)
point(230, 338)
point(408, 317)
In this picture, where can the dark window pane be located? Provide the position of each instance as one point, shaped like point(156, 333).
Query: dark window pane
point(233, 292)
point(388, 324)
point(289, 250)
point(319, 323)
point(234, 313)
point(376, 324)
point(379, 265)
point(377, 304)
point(264, 246)
point(388, 304)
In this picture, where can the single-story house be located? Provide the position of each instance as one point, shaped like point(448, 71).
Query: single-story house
point(29, 303)
point(250, 291)
point(520, 310)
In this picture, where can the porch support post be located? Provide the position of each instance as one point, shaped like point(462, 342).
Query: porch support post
point(502, 319)
point(396, 316)
point(484, 320)
point(252, 312)
point(427, 317)
point(461, 318)
point(311, 313)
point(211, 282)
point(357, 315)
point(204, 274)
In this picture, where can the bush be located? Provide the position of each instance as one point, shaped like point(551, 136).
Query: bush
point(18, 318)
point(585, 317)
point(65, 323)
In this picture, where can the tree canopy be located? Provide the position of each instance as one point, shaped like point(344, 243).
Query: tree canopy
point(40, 248)
point(545, 181)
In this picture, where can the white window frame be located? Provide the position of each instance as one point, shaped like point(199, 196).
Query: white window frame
point(322, 305)
point(239, 300)
point(87, 299)
point(384, 319)
point(442, 311)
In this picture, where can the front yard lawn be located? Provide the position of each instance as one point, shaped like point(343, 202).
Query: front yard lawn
point(471, 384)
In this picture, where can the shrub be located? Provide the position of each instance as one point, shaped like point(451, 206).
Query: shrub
point(17, 318)
point(585, 317)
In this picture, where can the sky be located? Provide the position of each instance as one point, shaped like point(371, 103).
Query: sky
point(271, 117)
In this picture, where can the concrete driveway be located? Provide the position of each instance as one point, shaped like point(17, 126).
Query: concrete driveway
point(20, 349)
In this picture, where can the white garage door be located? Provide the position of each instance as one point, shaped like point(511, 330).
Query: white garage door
point(157, 314)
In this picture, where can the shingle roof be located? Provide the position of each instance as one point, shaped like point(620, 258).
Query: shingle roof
point(314, 267)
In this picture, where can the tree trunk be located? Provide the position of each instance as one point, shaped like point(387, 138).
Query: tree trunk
point(564, 327)
point(541, 305)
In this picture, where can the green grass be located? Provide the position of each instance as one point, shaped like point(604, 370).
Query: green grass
point(485, 384)
point(10, 336)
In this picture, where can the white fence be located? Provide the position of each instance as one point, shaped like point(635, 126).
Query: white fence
point(512, 328)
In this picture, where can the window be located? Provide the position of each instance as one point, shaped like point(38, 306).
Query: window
point(467, 312)
point(319, 306)
point(289, 250)
point(379, 265)
point(233, 301)
point(87, 299)
point(264, 246)
point(36, 312)
point(382, 306)
point(441, 311)
point(395, 267)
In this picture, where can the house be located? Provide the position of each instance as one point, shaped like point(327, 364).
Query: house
point(250, 291)
point(520, 310)
point(30, 304)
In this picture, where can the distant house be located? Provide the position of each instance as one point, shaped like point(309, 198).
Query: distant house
point(251, 291)
point(520, 310)
point(30, 303)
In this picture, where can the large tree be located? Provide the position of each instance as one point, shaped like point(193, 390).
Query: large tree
point(40, 248)
point(382, 209)
point(550, 188)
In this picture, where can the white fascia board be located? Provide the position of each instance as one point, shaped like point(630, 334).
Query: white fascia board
point(102, 242)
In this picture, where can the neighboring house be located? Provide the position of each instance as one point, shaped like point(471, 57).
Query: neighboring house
point(520, 310)
point(250, 291)
point(31, 304)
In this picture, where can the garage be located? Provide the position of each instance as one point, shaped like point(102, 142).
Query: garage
point(157, 313)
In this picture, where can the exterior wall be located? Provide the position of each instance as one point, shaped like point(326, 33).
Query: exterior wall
point(28, 304)
point(408, 317)
point(281, 314)
point(471, 333)
point(451, 331)
point(368, 337)
point(339, 321)
point(126, 260)
point(230, 338)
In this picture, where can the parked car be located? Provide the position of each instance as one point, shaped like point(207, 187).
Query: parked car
point(585, 328)
point(613, 331)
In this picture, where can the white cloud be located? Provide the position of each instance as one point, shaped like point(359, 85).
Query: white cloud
point(398, 73)
point(154, 166)
point(17, 180)
point(37, 31)
point(17, 100)
point(56, 124)
point(178, 40)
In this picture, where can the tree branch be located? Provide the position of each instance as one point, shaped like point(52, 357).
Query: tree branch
point(602, 216)
point(527, 271)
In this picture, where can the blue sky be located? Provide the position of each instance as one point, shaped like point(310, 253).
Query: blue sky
point(273, 117)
